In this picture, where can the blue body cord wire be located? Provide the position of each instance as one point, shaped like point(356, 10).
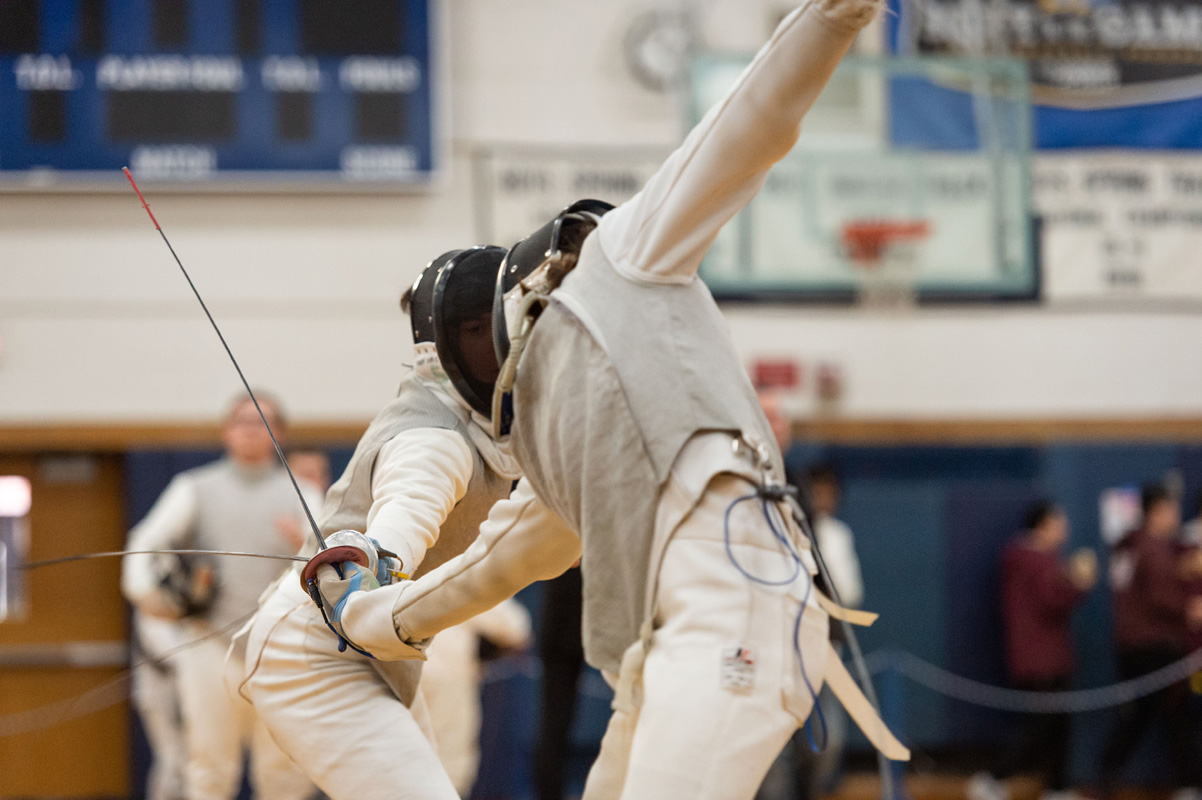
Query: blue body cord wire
point(795, 557)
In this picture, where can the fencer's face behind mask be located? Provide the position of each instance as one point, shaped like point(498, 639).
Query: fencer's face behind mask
point(475, 349)
point(450, 305)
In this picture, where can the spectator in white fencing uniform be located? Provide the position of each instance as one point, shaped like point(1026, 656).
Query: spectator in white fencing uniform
point(155, 694)
point(451, 685)
point(242, 502)
point(835, 540)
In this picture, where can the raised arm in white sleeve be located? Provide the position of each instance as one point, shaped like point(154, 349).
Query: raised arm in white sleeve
point(662, 233)
point(521, 542)
point(165, 527)
point(418, 478)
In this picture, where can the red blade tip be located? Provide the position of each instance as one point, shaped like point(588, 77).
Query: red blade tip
point(129, 176)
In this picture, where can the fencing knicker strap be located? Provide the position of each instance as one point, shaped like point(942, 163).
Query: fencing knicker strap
point(844, 687)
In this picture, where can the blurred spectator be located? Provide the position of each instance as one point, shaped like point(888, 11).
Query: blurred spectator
point(835, 540)
point(562, 654)
point(1191, 543)
point(244, 501)
point(450, 685)
point(1039, 592)
point(1152, 621)
point(312, 470)
point(1191, 532)
point(311, 465)
point(1191, 567)
point(799, 772)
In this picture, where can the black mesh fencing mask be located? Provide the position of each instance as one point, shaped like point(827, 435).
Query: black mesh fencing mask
point(451, 309)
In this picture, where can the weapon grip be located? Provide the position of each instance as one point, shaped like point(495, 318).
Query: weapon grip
point(332, 555)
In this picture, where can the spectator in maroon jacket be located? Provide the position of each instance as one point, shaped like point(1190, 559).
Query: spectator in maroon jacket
point(1191, 567)
point(1152, 619)
point(1039, 591)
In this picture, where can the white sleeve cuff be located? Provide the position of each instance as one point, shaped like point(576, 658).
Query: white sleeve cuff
point(367, 621)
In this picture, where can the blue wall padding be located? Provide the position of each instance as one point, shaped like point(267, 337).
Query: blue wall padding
point(1156, 126)
point(928, 116)
point(980, 518)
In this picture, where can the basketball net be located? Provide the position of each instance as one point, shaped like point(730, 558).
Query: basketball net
point(884, 258)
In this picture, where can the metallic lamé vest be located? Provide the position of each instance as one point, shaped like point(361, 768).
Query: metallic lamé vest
point(617, 376)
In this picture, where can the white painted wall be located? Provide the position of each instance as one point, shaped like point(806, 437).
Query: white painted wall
point(989, 363)
point(96, 325)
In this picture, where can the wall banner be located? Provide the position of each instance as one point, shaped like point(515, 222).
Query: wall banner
point(519, 189)
point(1105, 73)
point(1120, 226)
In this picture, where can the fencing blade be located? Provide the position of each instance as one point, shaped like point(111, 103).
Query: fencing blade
point(119, 553)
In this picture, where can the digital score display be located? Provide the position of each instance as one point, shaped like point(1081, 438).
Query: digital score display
point(221, 92)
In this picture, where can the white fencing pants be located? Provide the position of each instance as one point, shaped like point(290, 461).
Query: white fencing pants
point(156, 697)
point(694, 736)
point(219, 725)
point(334, 713)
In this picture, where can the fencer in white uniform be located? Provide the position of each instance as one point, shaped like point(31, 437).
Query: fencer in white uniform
point(422, 479)
point(646, 454)
point(236, 503)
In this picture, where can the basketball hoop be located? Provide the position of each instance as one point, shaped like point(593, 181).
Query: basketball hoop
point(884, 257)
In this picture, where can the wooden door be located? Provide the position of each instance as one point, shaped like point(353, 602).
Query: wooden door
point(72, 641)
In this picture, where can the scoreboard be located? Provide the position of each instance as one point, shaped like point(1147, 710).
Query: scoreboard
point(262, 93)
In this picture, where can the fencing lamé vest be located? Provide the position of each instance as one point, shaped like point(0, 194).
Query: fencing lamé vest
point(616, 378)
point(237, 509)
point(350, 498)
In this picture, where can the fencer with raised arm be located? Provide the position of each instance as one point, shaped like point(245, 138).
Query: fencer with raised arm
point(645, 450)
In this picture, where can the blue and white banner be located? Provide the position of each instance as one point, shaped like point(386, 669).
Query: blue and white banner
point(1105, 73)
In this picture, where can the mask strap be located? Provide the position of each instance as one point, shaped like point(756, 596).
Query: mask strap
point(502, 398)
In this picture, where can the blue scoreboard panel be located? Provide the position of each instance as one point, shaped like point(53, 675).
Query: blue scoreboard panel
point(219, 92)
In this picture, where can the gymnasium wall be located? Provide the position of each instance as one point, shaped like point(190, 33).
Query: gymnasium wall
point(96, 326)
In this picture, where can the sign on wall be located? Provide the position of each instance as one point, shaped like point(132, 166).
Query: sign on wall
point(520, 189)
point(263, 91)
point(1121, 226)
